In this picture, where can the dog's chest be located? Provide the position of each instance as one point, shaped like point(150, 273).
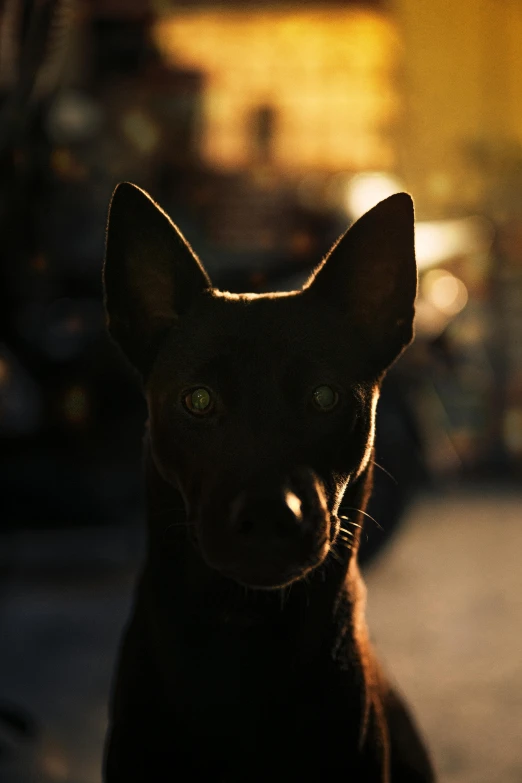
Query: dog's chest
point(243, 685)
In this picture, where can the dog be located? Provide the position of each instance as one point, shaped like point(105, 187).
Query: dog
point(247, 657)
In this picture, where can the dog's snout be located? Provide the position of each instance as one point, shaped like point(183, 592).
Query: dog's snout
point(270, 533)
point(279, 516)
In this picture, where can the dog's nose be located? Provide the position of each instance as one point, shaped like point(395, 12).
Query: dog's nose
point(258, 517)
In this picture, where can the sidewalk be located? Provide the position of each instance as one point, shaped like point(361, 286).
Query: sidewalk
point(445, 611)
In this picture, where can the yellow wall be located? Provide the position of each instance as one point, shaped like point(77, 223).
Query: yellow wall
point(461, 81)
point(327, 72)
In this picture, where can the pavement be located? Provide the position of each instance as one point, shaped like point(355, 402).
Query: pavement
point(445, 611)
point(444, 608)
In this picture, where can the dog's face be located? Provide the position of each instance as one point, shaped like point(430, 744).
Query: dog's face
point(261, 407)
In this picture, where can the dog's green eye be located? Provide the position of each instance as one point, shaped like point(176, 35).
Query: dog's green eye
point(325, 398)
point(199, 401)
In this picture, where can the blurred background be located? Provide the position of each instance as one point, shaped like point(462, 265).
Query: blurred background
point(264, 130)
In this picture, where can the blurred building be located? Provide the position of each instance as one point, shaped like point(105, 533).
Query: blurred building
point(462, 115)
point(461, 153)
point(263, 130)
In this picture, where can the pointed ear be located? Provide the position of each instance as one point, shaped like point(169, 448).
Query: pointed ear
point(150, 274)
point(370, 275)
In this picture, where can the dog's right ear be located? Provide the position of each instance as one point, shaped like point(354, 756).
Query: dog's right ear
point(150, 274)
point(370, 277)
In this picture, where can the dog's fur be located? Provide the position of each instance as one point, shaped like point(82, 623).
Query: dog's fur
point(247, 655)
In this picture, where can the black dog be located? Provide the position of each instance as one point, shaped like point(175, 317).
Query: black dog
point(247, 654)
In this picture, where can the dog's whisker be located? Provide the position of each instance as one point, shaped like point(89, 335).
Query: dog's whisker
point(350, 522)
point(335, 555)
point(364, 513)
point(385, 471)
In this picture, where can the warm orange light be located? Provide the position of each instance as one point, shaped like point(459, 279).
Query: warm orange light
point(327, 75)
point(445, 291)
point(364, 191)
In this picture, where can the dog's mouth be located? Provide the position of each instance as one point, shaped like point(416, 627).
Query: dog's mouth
point(268, 576)
point(270, 566)
point(264, 581)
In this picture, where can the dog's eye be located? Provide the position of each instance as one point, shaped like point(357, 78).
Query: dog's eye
point(199, 401)
point(325, 398)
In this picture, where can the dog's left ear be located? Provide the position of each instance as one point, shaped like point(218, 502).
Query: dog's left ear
point(150, 275)
point(370, 276)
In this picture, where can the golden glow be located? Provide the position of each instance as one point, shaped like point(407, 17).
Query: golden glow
point(445, 291)
point(327, 75)
point(364, 191)
point(439, 241)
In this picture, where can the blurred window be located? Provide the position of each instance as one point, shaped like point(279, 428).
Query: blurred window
point(332, 99)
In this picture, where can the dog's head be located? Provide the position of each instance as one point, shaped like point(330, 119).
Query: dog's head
point(262, 407)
